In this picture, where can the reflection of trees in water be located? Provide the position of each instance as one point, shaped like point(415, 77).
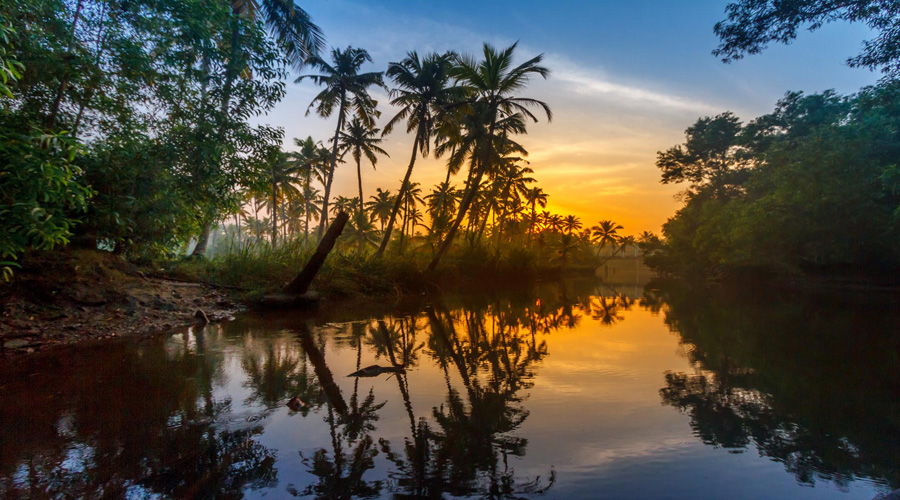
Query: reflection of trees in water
point(464, 451)
point(811, 385)
point(90, 432)
point(163, 427)
point(339, 472)
point(277, 370)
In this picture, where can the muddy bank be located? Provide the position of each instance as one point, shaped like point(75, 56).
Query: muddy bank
point(79, 296)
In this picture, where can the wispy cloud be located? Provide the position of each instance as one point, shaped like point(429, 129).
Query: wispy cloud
point(590, 82)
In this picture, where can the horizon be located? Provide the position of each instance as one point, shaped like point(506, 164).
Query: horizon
point(614, 106)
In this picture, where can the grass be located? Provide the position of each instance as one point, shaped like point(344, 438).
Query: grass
point(258, 269)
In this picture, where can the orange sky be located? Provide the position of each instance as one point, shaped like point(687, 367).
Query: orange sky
point(626, 80)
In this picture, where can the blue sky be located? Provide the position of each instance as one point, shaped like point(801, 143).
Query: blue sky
point(626, 79)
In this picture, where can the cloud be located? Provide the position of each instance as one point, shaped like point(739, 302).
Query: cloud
point(590, 82)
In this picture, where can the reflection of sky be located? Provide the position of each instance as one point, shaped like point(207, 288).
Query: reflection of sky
point(627, 79)
point(595, 416)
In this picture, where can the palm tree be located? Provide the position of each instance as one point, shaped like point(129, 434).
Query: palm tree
point(342, 204)
point(494, 82)
point(293, 30)
point(571, 224)
point(535, 196)
point(513, 184)
point(628, 241)
point(412, 197)
point(553, 222)
point(347, 90)
point(283, 173)
point(605, 232)
point(422, 93)
point(361, 139)
point(381, 205)
point(309, 159)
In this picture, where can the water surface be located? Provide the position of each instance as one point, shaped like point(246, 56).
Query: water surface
point(574, 390)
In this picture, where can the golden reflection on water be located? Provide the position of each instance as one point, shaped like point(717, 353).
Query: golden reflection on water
point(562, 390)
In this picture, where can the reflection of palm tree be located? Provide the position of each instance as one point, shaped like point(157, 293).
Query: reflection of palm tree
point(606, 309)
point(341, 474)
point(279, 374)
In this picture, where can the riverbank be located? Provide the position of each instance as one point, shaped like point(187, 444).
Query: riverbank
point(79, 296)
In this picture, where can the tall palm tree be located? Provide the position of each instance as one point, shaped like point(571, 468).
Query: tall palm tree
point(293, 30)
point(411, 215)
point(494, 82)
point(535, 196)
point(422, 93)
point(346, 89)
point(606, 231)
point(361, 139)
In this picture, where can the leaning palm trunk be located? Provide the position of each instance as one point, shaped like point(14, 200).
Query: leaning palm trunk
point(467, 199)
point(403, 187)
point(464, 205)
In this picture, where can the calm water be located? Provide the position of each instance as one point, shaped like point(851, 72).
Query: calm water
point(564, 391)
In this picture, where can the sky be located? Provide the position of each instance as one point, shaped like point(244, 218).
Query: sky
point(627, 78)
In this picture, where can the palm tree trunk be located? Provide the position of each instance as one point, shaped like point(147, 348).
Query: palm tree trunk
point(533, 219)
point(359, 179)
point(460, 215)
point(403, 187)
point(467, 199)
point(274, 208)
point(323, 219)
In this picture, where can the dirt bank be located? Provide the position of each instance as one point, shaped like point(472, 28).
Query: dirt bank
point(81, 295)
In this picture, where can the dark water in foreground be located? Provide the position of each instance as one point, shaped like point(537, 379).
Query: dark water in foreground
point(565, 391)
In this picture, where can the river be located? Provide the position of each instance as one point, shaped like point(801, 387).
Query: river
point(564, 390)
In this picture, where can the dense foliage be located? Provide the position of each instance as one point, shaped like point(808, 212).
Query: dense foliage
point(145, 105)
point(812, 186)
point(752, 24)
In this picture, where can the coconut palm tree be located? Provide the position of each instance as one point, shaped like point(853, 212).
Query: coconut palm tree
point(513, 184)
point(310, 160)
point(422, 93)
point(284, 174)
point(343, 204)
point(570, 224)
point(494, 83)
point(628, 241)
point(381, 205)
point(361, 139)
point(535, 197)
point(346, 90)
point(606, 231)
